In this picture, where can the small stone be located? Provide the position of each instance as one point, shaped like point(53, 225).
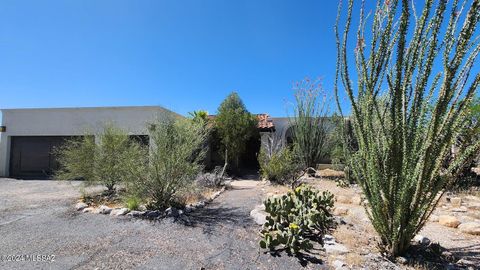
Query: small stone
point(142, 207)
point(88, 210)
point(172, 212)
point(335, 248)
point(80, 206)
point(456, 201)
point(119, 212)
point(448, 221)
point(434, 218)
point(474, 206)
point(401, 260)
point(153, 214)
point(136, 213)
point(343, 199)
point(466, 262)
point(340, 211)
point(188, 209)
point(470, 228)
point(259, 215)
point(357, 200)
point(422, 240)
point(338, 264)
point(103, 209)
point(199, 205)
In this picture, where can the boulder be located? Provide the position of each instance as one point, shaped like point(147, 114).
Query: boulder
point(103, 209)
point(340, 211)
point(88, 210)
point(259, 215)
point(448, 221)
point(470, 228)
point(456, 201)
point(119, 211)
point(80, 206)
point(343, 199)
point(422, 240)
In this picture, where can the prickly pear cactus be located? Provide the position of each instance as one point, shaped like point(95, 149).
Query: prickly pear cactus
point(296, 218)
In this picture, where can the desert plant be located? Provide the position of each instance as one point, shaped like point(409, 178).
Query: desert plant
point(235, 126)
point(132, 202)
point(199, 116)
point(309, 123)
point(297, 218)
point(174, 161)
point(278, 166)
point(402, 147)
point(108, 160)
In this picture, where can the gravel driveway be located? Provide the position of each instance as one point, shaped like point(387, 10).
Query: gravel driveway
point(37, 218)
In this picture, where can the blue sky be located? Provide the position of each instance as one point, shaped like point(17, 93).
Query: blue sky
point(184, 55)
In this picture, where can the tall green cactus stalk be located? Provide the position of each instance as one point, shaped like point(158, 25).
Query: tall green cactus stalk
point(421, 64)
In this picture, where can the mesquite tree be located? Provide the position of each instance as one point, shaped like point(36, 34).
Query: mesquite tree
point(422, 63)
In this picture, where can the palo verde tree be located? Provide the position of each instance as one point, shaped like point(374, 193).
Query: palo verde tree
point(422, 64)
point(235, 126)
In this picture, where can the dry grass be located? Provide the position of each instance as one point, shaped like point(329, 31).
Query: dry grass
point(331, 174)
point(354, 260)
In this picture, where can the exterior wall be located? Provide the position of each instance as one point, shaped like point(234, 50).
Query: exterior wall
point(71, 122)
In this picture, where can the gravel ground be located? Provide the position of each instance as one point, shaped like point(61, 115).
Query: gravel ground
point(37, 218)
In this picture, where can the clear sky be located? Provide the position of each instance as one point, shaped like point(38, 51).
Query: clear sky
point(184, 55)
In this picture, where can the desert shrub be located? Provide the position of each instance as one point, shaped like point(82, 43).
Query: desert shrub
point(296, 219)
point(174, 161)
point(423, 70)
point(132, 202)
point(108, 160)
point(278, 166)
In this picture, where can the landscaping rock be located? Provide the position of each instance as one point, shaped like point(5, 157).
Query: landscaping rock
point(105, 210)
point(199, 205)
point(422, 240)
point(188, 209)
point(136, 213)
point(338, 264)
point(470, 228)
point(340, 211)
point(448, 221)
point(88, 210)
point(456, 201)
point(80, 206)
point(333, 247)
point(343, 199)
point(259, 215)
point(434, 218)
point(153, 214)
point(119, 212)
point(474, 206)
point(172, 212)
point(142, 207)
point(401, 260)
point(466, 262)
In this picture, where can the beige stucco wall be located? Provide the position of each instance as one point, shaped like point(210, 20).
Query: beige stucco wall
point(72, 121)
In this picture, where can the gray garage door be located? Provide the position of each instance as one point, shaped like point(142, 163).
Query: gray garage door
point(32, 157)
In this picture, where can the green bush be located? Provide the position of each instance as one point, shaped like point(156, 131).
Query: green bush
point(279, 166)
point(109, 160)
point(297, 218)
point(174, 161)
point(132, 202)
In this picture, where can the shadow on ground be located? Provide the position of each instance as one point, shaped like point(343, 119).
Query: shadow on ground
point(210, 218)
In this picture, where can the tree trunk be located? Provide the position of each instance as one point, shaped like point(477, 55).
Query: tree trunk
point(226, 163)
